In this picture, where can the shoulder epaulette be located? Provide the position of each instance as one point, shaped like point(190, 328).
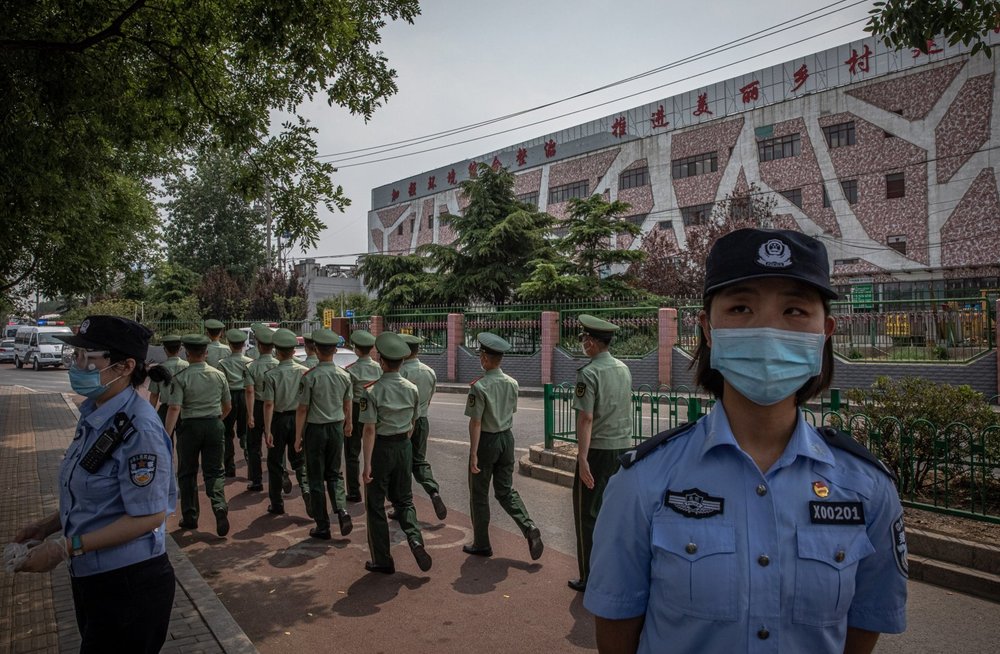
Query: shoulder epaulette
point(371, 383)
point(473, 382)
point(844, 441)
point(583, 366)
point(308, 371)
point(629, 458)
point(350, 364)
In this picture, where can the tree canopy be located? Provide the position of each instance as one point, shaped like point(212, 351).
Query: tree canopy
point(99, 96)
point(915, 23)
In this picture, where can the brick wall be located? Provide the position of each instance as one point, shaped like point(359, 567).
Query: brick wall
point(645, 371)
point(437, 361)
point(980, 374)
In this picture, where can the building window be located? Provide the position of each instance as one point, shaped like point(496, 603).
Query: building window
point(846, 262)
point(560, 232)
point(840, 135)
point(569, 191)
point(779, 148)
point(665, 225)
point(897, 243)
point(638, 219)
point(826, 198)
point(633, 178)
point(850, 187)
point(400, 230)
point(696, 215)
point(430, 222)
point(794, 195)
point(895, 185)
point(529, 199)
point(413, 223)
point(699, 164)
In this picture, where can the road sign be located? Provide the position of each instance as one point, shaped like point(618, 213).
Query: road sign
point(327, 318)
point(862, 297)
point(349, 313)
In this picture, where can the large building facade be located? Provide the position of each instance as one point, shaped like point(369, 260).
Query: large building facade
point(891, 158)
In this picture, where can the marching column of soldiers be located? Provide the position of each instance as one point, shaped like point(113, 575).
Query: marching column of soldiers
point(371, 419)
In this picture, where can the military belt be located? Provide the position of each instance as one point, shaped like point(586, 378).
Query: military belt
point(393, 437)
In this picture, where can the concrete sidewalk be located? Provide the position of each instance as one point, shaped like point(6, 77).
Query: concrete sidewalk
point(36, 611)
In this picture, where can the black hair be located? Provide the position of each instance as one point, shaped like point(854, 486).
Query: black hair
point(172, 349)
point(214, 332)
point(414, 348)
point(364, 349)
point(392, 364)
point(712, 381)
point(156, 373)
point(286, 351)
point(265, 348)
point(196, 350)
point(326, 349)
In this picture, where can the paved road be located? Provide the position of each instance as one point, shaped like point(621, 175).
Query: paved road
point(939, 620)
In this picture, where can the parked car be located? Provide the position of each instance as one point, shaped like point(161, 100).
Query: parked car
point(7, 350)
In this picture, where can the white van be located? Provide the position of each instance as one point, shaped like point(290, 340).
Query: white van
point(38, 347)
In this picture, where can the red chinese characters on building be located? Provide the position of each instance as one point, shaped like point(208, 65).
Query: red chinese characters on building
point(702, 105)
point(619, 128)
point(496, 163)
point(431, 183)
point(659, 118)
point(930, 49)
point(859, 62)
point(395, 195)
point(473, 173)
point(522, 156)
point(452, 177)
point(413, 189)
point(550, 148)
point(751, 92)
point(800, 76)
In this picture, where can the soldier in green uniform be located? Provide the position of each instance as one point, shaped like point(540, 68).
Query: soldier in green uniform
point(255, 406)
point(310, 347)
point(491, 406)
point(199, 396)
point(252, 350)
point(235, 368)
point(362, 371)
point(425, 379)
point(216, 350)
point(157, 391)
point(321, 420)
point(603, 404)
point(389, 407)
point(280, 394)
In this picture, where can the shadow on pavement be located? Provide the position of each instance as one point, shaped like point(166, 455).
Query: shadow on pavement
point(480, 575)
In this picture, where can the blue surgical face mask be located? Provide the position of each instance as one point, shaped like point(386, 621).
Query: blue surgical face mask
point(764, 364)
point(88, 382)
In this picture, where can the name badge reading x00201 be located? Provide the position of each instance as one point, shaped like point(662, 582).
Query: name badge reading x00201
point(837, 513)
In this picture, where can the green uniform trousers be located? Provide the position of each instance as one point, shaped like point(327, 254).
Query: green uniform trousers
point(236, 428)
point(200, 437)
point(421, 469)
point(283, 433)
point(495, 457)
point(352, 452)
point(322, 444)
point(255, 436)
point(392, 465)
point(587, 502)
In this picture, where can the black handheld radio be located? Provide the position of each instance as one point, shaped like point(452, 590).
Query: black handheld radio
point(121, 430)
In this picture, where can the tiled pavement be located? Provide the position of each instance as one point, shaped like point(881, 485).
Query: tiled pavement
point(36, 610)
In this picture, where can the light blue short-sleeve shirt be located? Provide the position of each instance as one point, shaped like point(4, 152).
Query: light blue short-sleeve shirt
point(716, 554)
point(137, 480)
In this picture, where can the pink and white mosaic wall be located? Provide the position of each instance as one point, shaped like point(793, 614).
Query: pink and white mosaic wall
point(934, 123)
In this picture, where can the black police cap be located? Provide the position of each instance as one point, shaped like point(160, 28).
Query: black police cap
point(755, 253)
point(111, 333)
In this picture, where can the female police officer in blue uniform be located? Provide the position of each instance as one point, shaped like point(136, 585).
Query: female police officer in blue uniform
point(116, 486)
point(750, 530)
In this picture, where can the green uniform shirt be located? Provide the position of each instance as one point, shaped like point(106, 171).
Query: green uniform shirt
point(390, 403)
point(424, 378)
point(311, 361)
point(200, 390)
point(363, 371)
point(325, 388)
point(493, 400)
point(253, 353)
point(281, 385)
point(174, 365)
point(235, 367)
point(216, 352)
point(604, 388)
point(256, 370)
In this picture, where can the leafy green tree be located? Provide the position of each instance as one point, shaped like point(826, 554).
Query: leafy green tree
point(221, 296)
point(276, 296)
point(172, 282)
point(397, 281)
point(98, 96)
point(359, 303)
point(915, 23)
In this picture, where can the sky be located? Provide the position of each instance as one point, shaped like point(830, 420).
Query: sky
point(463, 62)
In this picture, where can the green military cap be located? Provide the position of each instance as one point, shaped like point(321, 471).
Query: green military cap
point(410, 339)
point(264, 335)
point(392, 346)
point(195, 340)
point(325, 337)
point(492, 343)
point(307, 337)
point(212, 323)
point(597, 327)
point(236, 336)
point(171, 339)
point(362, 338)
point(284, 338)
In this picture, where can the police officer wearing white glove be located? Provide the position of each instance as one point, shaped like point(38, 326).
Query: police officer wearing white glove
point(116, 487)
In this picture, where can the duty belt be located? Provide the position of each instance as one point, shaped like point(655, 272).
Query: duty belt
point(393, 437)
